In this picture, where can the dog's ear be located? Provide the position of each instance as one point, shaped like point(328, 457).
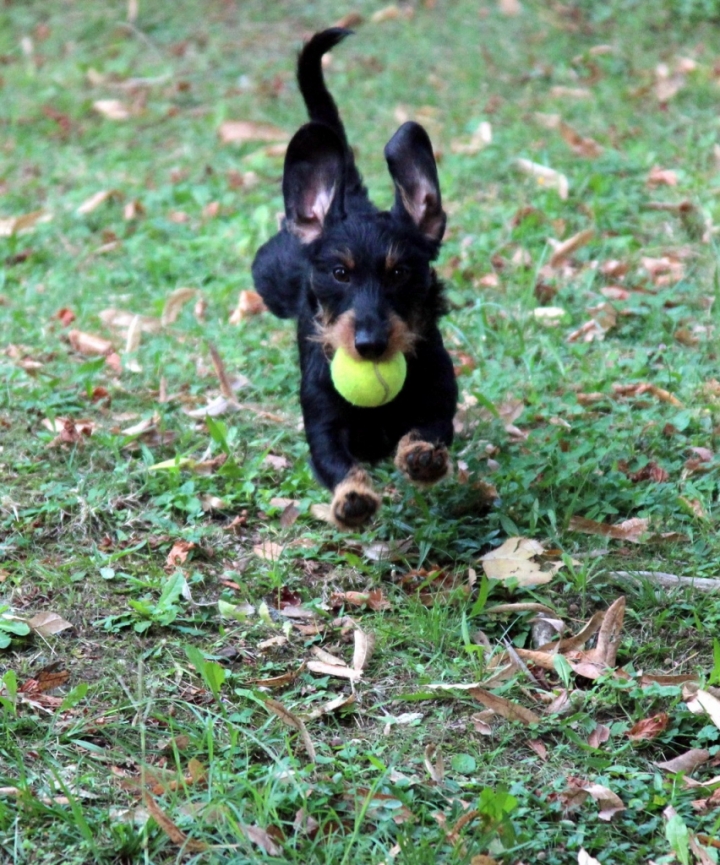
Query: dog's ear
point(411, 162)
point(313, 180)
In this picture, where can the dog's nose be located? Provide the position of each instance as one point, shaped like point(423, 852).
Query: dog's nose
point(369, 345)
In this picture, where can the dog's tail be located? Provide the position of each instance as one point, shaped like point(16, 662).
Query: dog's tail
point(320, 104)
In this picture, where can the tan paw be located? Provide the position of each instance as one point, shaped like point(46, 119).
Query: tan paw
point(422, 462)
point(354, 502)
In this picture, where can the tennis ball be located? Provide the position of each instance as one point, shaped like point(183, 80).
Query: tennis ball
point(368, 383)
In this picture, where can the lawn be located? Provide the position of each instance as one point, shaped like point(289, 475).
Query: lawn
point(518, 666)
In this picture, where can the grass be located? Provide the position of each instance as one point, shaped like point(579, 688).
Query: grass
point(155, 742)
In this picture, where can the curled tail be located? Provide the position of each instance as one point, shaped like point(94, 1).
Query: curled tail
point(320, 104)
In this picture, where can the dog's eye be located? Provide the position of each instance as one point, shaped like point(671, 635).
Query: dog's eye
point(341, 274)
point(399, 273)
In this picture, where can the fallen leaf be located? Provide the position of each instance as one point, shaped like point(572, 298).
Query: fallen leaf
point(292, 720)
point(46, 624)
point(687, 762)
point(584, 858)
point(118, 319)
point(710, 704)
point(341, 702)
point(565, 249)
point(176, 835)
point(12, 225)
point(509, 8)
point(609, 803)
point(507, 709)
point(339, 672)
point(364, 645)
point(599, 736)
point(649, 728)
point(582, 146)
point(179, 553)
point(545, 176)
point(513, 560)
point(96, 200)
point(249, 303)
point(434, 763)
point(662, 177)
point(268, 550)
point(88, 343)
point(242, 131)
point(174, 303)
point(262, 838)
point(113, 109)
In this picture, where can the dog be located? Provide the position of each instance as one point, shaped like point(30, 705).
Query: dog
point(361, 278)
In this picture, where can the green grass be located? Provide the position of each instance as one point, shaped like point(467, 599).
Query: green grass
point(161, 692)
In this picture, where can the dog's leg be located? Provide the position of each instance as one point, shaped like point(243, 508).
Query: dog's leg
point(422, 454)
point(354, 501)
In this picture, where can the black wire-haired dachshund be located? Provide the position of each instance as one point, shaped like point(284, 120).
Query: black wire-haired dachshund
point(360, 278)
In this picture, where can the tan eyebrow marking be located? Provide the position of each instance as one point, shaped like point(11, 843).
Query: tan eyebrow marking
point(392, 257)
point(346, 258)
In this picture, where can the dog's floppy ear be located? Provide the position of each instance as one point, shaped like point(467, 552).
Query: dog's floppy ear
point(411, 162)
point(313, 180)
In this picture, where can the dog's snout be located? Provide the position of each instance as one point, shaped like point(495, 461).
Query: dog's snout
point(369, 344)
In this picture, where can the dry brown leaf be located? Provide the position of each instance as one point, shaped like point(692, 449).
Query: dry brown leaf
point(364, 646)
point(545, 176)
point(687, 762)
point(649, 728)
point(96, 200)
point(570, 644)
point(565, 249)
point(323, 669)
point(46, 624)
point(513, 560)
point(118, 319)
point(174, 303)
point(539, 748)
point(113, 109)
point(327, 657)
point(609, 803)
point(249, 303)
point(341, 702)
point(629, 530)
point(292, 720)
point(661, 177)
point(179, 553)
point(509, 8)
point(268, 550)
point(262, 838)
point(507, 709)
point(526, 607)
point(587, 147)
point(390, 13)
point(242, 131)
point(88, 343)
point(710, 704)
point(599, 736)
point(434, 763)
point(608, 641)
point(47, 679)
point(12, 225)
point(176, 835)
point(350, 20)
point(280, 681)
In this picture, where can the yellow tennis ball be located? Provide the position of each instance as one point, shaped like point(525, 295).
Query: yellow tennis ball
point(368, 383)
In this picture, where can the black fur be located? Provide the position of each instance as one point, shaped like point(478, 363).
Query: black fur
point(361, 277)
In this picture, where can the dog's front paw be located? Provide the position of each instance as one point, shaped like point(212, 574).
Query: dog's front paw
point(354, 502)
point(422, 462)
